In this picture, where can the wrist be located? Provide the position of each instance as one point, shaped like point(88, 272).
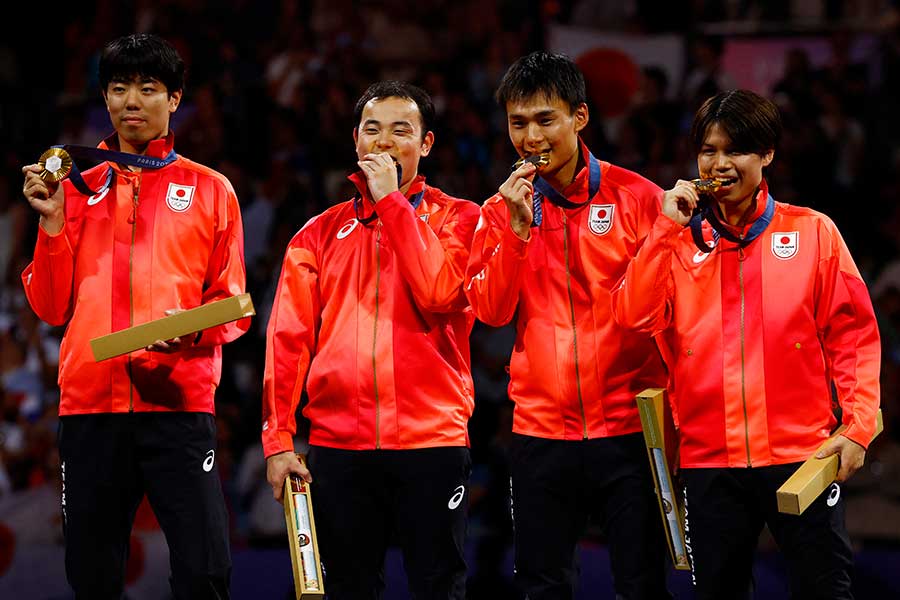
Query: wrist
point(521, 229)
point(52, 224)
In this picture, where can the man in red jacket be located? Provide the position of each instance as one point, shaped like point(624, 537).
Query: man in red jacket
point(371, 320)
point(762, 312)
point(147, 233)
point(550, 247)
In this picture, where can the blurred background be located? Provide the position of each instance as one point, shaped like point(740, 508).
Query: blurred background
point(268, 102)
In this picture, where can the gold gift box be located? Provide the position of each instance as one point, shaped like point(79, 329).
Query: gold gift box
point(659, 436)
point(172, 326)
point(813, 477)
point(298, 513)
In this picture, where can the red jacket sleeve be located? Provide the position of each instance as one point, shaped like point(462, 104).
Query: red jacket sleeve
point(225, 275)
point(496, 267)
point(643, 300)
point(432, 263)
point(290, 342)
point(846, 323)
point(48, 280)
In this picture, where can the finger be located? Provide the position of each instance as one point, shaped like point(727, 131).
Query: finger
point(844, 472)
point(159, 346)
point(278, 491)
point(525, 171)
point(33, 168)
point(828, 450)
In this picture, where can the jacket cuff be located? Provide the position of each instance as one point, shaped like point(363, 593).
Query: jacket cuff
point(56, 243)
point(283, 441)
point(391, 203)
point(664, 227)
point(859, 434)
point(513, 242)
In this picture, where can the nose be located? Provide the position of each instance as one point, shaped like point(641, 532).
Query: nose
point(132, 98)
point(721, 162)
point(533, 134)
point(384, 141)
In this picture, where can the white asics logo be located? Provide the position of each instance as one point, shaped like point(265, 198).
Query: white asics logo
point(98, 197)
point(347, 229)
point(209, 461)
point(457, 497)
point(834, 495)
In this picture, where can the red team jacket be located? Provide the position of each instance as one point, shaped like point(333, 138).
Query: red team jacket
point(755, 337)
point(574, 372)
point(155, 240)
point(370, 318)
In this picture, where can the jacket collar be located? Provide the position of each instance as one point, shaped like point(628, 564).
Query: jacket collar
point(762, 195)
point(158, 148)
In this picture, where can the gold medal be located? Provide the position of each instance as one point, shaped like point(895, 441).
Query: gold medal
point(56, 164)
point(538, 160)
point(706, 185)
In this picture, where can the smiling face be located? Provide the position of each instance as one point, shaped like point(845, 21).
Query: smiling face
point(740, 171)
point(394, 125)
point(539, 124)
point(139, 110)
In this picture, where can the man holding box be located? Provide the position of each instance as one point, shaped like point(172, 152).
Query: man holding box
point(125, 246)
point(549, 248)
point(370, 319)
point(765, 316)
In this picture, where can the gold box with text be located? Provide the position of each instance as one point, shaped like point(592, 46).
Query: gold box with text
point(172, 326)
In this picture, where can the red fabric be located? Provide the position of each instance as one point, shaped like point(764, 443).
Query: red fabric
point(371, 321)
point(123, 259)
point(757, 337)
point(574, 373)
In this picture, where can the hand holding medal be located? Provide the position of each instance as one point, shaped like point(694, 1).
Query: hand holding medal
point(42, 189)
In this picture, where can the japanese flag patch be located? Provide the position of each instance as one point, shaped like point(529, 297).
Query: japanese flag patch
point(600, 218)
point(785, 244)
point(179, 197)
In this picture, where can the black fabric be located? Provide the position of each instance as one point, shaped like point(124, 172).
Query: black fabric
point(109, 461)
point(558, 486)
point(364, 500)
point(726, 511)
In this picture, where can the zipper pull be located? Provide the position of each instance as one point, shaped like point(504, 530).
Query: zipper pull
point(133, 217)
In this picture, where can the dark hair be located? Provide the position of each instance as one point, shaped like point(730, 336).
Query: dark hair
point(543, 74)
point(141, 55)
point(398, 89)
point(752, 122)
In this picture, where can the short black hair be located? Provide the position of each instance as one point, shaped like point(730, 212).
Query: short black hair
point(398, 89)
point(544, 74)
point(751, 121)
point(142, 55)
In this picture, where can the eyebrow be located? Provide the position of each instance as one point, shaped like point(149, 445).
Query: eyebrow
point(538, 115)
point(368, 122)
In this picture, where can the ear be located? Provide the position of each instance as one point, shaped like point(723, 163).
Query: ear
point(581, 117)
point(174, 100)
point(105, 99)
point(427, 143)
point(767, 158)
point(355, 136)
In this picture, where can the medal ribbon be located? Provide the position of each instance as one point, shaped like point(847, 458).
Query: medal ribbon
point(100, 155)
point(719, 230)
point(543, 189)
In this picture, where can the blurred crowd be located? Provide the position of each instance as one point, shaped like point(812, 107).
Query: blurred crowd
point(270, 92)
